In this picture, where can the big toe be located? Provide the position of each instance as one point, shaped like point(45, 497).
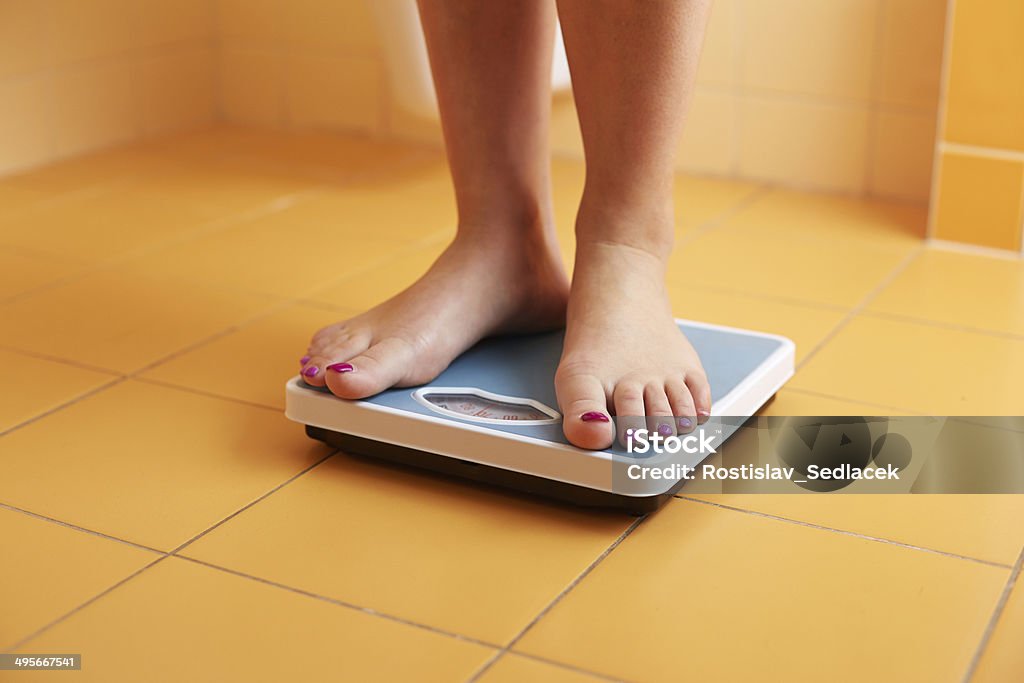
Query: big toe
point(380, 367)
point(585, 419)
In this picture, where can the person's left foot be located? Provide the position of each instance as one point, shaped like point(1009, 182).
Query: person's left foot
point(623, 352)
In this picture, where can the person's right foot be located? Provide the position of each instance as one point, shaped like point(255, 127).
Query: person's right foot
point(480, 286)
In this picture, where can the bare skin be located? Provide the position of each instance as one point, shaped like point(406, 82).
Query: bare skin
point(632, 66)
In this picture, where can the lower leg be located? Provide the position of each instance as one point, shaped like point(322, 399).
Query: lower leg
point(633, 67)
point(491, 64)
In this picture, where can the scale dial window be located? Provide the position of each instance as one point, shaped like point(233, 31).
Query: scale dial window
point(478, 405)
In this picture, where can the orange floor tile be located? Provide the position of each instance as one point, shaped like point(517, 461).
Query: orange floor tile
point(162, 518)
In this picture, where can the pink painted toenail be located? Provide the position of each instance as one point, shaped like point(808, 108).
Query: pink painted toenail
point(311, 371)
point(304, 360)
point(685, 423)
point(341, 367)
point(594, 416)
point(664, 429)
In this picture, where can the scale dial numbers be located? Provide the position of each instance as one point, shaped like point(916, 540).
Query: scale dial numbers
point(483, 406)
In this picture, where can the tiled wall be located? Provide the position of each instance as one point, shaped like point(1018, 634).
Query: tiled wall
point(836, 95)
point(979, 188)
point(77, 75)
point(825, 94)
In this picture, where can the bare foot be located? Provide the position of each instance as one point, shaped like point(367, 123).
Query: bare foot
point(504, 281)
point(623, 353)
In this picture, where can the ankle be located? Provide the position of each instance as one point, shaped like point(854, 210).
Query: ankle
point(647, 226)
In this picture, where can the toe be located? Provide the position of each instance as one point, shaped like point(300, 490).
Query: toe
point(313, 369)
point(379, 367)
point(585, 419)
point(629, 408)
point(681, 400)
point(700, 390)
point(658, 410)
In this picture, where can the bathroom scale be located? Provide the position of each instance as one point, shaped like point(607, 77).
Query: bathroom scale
point(492, 417)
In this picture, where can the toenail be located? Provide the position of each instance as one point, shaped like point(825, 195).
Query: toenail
point(304, 360)
point(664, 429)
point(341, 367)
point(685, 423)
point(594, 416)
point(311, 371)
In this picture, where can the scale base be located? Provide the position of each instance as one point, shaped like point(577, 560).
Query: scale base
point(494, 476)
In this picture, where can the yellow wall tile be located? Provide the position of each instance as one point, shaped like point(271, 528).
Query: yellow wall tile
point(979, 201)
point(336, 92)
point(346, 25)
point(169, 21)
point(718, 58)
point(402, 125)
point(910, 57)
point(176, 89)
point(87, 30)
point(565, 127)
point(26, 130)
point(709, 138)
point(902, 148)
point(804, 143)
point(23, 47)
point(257, 22)
point(985, 98)
point(95, 106)
point(251, 86)
point(809, 46)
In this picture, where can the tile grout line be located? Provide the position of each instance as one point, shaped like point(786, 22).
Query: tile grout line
point(863, 303)
point(993, 622)
point(340, 603)
point(558, 598)
point(256, 500)
point(207, 394)
point(822, 394)
point(759, 296)
point(58, 408)
point(201, 229)
point(756, 193)
point(39, 631)
point(76, 527)
point(562, 665)
point(163, 554)
point(315, 186)
point(845, 532)
point(136, 374)
point(927, 322)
